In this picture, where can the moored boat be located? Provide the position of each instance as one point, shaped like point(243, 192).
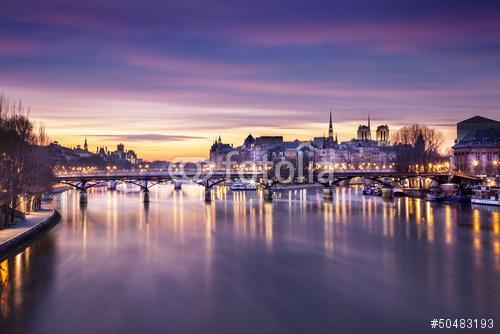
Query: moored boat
point(435, 197)
point(367, 190)
point(486, 196)
point(239, 184)
point(455, 192)
point(398, 192)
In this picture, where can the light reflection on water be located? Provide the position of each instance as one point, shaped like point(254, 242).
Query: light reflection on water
point(238, 264)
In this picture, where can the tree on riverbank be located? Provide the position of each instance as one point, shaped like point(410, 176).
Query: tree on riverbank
point(417, 146)
point(24, 160)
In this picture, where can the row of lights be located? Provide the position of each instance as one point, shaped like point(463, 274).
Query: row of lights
point(437, 167)
point(475, 163)
point(348, 166)
point(62, 170)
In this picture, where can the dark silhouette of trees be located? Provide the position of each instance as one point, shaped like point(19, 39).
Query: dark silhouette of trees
point(417, 146)
point(24, 160)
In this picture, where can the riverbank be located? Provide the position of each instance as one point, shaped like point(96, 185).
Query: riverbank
point(23, 232)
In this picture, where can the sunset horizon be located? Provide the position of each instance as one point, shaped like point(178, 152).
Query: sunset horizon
point(165, 78)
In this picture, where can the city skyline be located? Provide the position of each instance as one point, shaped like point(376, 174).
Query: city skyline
point(95, 146)
point(170, 77)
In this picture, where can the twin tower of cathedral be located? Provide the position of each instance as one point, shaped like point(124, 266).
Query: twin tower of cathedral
point(364, 133)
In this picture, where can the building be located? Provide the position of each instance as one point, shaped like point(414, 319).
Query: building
point(364, 131)
point(477, 147)
point(82, 153)
point(330, 142)
point(473, 124)
point(101, 157)
point(326, 148)
point(218, 153)
point(383, 135)
point(266, 147)
point(131, 156)
point(322, 151)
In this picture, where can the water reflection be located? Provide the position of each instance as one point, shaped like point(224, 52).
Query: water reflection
point(239, 264)
point(24, 281)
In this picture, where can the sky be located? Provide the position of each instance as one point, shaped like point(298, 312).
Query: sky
point(166, 77)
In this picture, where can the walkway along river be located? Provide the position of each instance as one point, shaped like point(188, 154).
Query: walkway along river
point(240, 265)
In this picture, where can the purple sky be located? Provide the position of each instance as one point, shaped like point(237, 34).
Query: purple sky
point(167, 76)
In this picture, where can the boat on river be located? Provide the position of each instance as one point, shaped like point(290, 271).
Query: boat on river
point(455, 193)
point(239, 184)
point(398, 192)
point(435, 197)
point(367, 191)
point(486, 196)
point(372, 190)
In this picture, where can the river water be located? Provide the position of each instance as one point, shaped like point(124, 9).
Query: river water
point(241, 265)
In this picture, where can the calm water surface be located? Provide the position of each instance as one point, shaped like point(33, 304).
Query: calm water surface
point(239, 265)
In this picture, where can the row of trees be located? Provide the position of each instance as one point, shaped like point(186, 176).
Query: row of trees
point(24, 159)
point(417, 146)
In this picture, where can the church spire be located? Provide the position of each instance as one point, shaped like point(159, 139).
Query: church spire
point(330, 126)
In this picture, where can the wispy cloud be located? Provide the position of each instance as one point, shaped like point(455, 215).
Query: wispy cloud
point(146, 137)
point(175, 71)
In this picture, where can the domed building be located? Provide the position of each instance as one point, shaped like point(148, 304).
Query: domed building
point(249, 141)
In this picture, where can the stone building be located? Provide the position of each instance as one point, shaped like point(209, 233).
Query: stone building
point(477, 147)
point(383, 135)
point(364, 131)
point(218, 153)
point(322, 151)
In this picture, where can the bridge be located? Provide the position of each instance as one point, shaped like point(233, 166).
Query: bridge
point(209, 179)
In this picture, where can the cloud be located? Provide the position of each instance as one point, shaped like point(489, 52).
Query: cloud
point(192, 67)
point(151, 137)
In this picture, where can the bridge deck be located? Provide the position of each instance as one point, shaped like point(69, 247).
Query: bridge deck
point(164, 175)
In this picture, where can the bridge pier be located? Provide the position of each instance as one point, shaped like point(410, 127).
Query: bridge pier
point(145, 197)
point(177, 185)
point(268, 195)
point(112, 185)
point(268, 191)
point(83, 196)
point(387, 192)
point(208, 194)
point(328, 193)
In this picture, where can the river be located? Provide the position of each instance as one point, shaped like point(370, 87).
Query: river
point(240, 265)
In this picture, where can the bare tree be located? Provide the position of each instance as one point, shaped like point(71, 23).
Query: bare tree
point(24, 164)
point(417, 145)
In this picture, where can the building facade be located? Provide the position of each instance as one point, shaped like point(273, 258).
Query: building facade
point(121, 158)
point(477, 147)
point(325, 151)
